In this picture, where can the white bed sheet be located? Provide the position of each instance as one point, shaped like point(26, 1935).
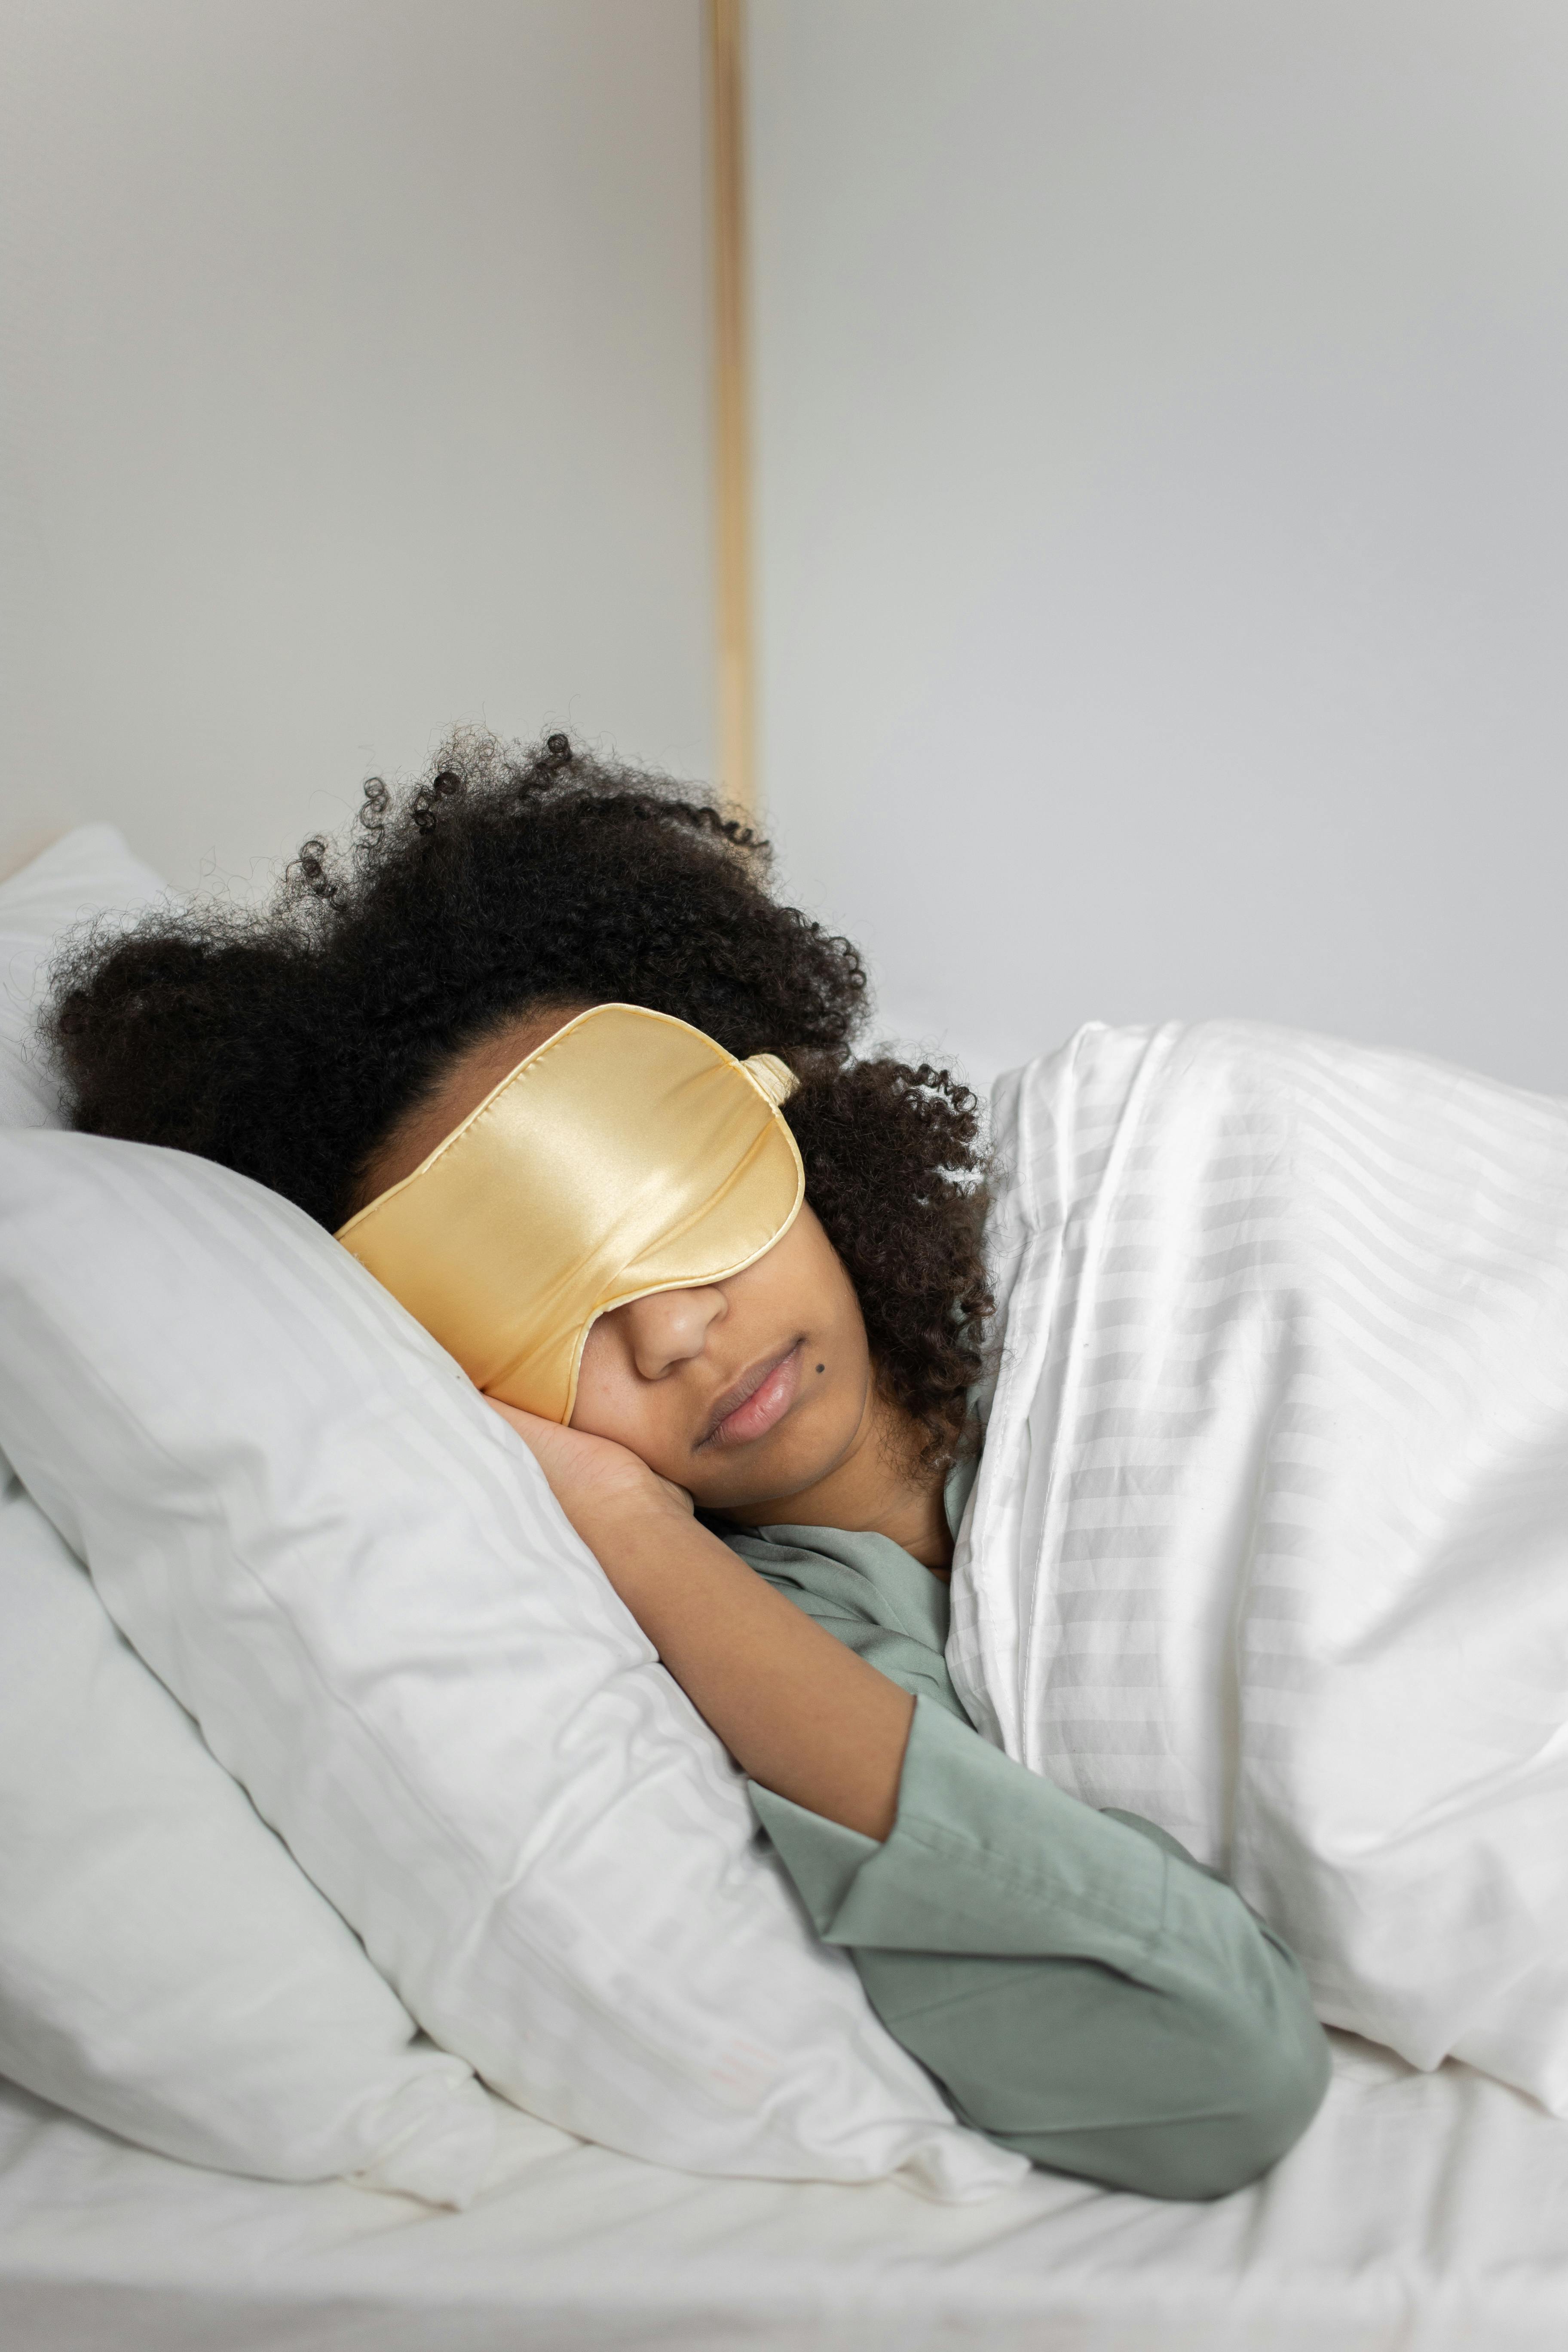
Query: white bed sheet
point(1422, 2213)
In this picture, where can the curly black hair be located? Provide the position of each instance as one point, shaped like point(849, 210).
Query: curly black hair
point(288, 1042)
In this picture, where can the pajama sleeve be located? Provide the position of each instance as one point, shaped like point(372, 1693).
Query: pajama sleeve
point(1081, 1990)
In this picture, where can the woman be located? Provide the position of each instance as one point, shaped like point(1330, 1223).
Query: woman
point(1082, 1991)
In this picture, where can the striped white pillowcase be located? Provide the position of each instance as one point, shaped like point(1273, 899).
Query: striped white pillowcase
point(1270, 1539)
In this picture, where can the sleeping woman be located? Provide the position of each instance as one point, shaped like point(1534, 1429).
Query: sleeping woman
point(543, 1052)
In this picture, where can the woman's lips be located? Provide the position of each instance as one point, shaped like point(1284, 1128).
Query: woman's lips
point(765, 1406)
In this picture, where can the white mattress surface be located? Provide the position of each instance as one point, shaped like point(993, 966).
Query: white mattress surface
point(1422, 2213)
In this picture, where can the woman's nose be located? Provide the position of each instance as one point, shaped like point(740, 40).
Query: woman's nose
point(670, 1328)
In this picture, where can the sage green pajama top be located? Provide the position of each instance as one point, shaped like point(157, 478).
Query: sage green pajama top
point(1081, 1990)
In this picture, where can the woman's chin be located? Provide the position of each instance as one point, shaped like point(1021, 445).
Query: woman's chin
point(758, 1492)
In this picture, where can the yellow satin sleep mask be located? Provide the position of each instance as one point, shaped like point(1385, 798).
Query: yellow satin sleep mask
point(627, 1154)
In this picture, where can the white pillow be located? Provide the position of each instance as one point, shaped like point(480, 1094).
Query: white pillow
point(165, 1968)
point(86, 875)
point(304, 1518)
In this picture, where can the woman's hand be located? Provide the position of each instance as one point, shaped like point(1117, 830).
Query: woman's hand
point(796, 1710)
point(597, 1483)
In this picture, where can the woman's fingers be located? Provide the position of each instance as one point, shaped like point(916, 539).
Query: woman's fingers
point(588, 1474)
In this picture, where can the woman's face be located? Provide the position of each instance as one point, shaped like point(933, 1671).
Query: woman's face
point(745, 1393)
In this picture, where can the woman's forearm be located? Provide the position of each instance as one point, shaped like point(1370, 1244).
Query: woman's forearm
point(799, 1713)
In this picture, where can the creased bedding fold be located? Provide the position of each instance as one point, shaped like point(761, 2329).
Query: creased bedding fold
point(1270, 1538)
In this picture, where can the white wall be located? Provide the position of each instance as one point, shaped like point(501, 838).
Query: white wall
point(1163, 432)
point(356, 384)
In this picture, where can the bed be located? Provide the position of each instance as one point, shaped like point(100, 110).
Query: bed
point(1426, 2213)
point(1422, 2212)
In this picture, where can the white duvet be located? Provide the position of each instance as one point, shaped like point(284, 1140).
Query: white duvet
point(1270, 1538)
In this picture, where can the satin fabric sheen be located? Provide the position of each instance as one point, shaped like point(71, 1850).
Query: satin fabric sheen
point(629, 1153)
